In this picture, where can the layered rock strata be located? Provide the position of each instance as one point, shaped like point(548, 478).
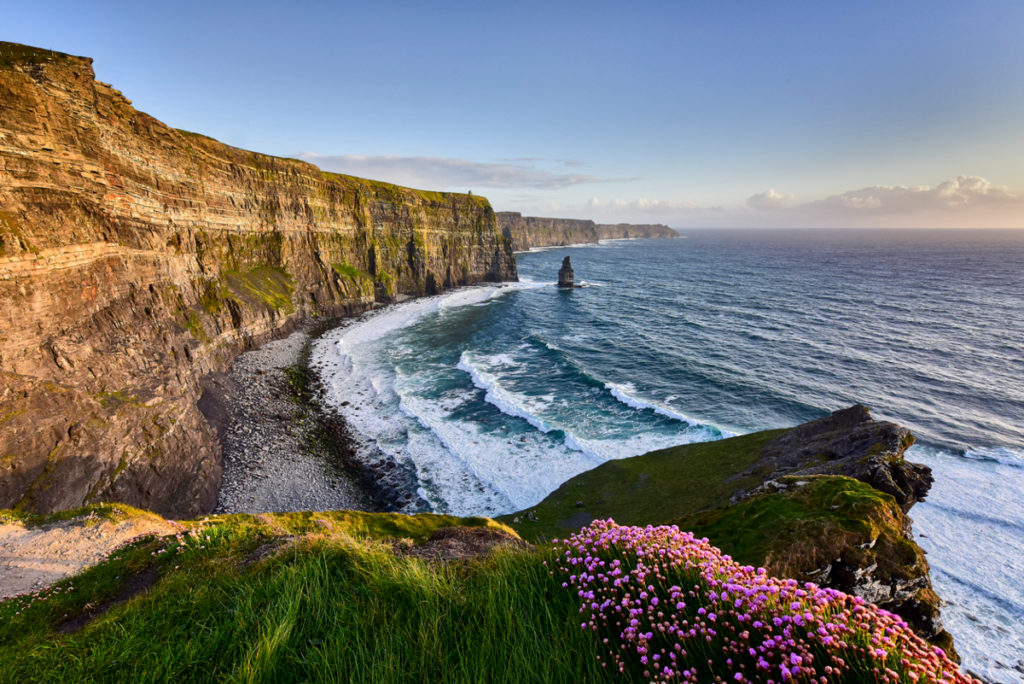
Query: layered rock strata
point(135, 259)
point(527, 232)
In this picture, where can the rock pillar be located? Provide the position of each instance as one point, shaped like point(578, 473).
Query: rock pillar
point(565, 274)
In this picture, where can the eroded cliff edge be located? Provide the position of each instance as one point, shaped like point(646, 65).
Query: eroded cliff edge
point(825, 501)
point(135, 259)
point(527, 232)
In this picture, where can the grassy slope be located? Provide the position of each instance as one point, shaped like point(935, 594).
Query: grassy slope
point(334, 603)
point(658, 487)
point(807, 525)
point(810, 525)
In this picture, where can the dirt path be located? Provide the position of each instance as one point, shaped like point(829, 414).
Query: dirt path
point(32, 558)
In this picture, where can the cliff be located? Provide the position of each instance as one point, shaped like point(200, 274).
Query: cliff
point(620, 231)
point(526, 232)
point(825, 501)
point(135, 259)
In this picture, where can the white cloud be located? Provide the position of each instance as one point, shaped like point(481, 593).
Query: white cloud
point(645, 205)
point(769, 200)
point(960, 194)
point(965, 201)
point(446, 173)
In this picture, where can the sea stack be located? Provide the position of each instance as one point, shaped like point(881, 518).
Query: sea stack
point(565, 274)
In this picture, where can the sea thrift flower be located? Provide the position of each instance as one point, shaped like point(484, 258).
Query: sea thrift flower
point(656, 593)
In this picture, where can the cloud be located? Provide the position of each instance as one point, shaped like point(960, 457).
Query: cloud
point(647, 206)
point(563, 162)
point(447, 173)
point(647, 210)
point(965, 201)
point(769, 200)
point(957, 195)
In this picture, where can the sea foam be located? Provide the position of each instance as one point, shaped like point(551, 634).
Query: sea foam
point(626, 393)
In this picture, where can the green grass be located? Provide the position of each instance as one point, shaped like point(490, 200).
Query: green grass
point(336, 604)
point(654, 488)
point(399, 194)
point(347, 270)
point(360, 279)
point(269, 285)
point(15, 53)
point(809, 524)
point(94, 512)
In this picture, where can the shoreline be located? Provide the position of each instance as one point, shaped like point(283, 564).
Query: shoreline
point(283, 450)
point(273, 454)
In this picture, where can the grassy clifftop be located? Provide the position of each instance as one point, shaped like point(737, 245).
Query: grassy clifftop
point(360, 597)
point(334, 596)
point(824, 502)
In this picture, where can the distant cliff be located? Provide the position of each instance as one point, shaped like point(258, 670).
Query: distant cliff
point(527, 232)
point(619, 231)
point(136, 258)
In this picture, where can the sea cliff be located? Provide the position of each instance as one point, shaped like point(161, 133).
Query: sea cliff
point(136, 259)
point(826, 501)
point(527, 232)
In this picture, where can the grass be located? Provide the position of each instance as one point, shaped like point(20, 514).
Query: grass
point(359, 279)
point(399, 194)
point(812, 524)
point(94, 512)
point(269, 285)
point(347, 270)
point(320, 597)
point(660, 486)
point(811, 528)
point(15, 53)
point(336, 604)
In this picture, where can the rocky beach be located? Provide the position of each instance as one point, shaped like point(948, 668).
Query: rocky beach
point(274, 460)
point(282, 451)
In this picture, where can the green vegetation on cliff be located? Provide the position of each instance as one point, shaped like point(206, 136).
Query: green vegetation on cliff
point(658, 487)
point(16, 53)
point(298, 597)
point(370, 597)
point(797, 502)
point(398, 194)
point(267, 284)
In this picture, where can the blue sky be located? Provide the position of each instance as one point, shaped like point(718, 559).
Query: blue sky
point(687, 113)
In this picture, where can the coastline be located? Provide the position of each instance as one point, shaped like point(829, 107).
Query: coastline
point(274, 459)
point(283, 450)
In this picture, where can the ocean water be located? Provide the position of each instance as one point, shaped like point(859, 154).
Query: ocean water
point(496, 395)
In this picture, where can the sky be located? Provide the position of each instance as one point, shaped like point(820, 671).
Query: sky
point(689, 113)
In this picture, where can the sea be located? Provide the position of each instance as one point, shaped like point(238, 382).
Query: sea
point(495, 395)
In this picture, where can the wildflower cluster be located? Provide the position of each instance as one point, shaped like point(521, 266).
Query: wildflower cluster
point(671, 607)
point(24, 601)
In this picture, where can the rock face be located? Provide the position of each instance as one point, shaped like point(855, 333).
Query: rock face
point(825, 501)
point(136, 258)
point(526, 232)
point(622, 231)
point(851, 443)
point(565, 274)
point(879, 560)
